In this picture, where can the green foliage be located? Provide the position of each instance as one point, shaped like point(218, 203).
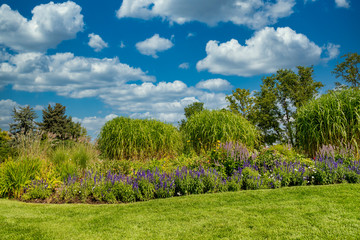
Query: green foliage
point(241, 102)
point(249, 179)
point(138, 139)
point(5, 149)
point(15, 175)
point(56, 122)
point(32, 145)
point(281, 153)
point(334, 119)
point(64, 165)
point(74, 159)
point(267, 112)
point(193, 108)
point(81, 156)
point(204, 130)
point(37, 190)
point(190, 110)
point(276, 103)
point(349, 69)
point(24, 120)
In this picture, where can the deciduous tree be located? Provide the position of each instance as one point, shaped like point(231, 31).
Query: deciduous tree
point(349, 69)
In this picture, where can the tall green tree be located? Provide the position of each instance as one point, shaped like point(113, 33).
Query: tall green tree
point(241, 102)
point(273, 108)
point(266, 112)
point(57, 122)
point(24, 120)
point(349, 69)
point(293, 91)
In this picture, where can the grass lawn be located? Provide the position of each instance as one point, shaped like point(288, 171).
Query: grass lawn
point(312, 212)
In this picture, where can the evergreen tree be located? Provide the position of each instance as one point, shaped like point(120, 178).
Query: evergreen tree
point(55, 121)
point(24, 120)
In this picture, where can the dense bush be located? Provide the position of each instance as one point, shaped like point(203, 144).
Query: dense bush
point(15, 175)
point(334, 119)
point(5, 150)
point(136, 138)
point(204, 130)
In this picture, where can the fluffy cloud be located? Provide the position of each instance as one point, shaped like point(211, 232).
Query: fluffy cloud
point(267, 51)
point(6, 107)
point(71, 76)
point(184, 65)
point(96, 42)
point(217, 84)
point(105, 79)
point(252, 13)
point(153, 45)
point(50, 24)
point(343, 3)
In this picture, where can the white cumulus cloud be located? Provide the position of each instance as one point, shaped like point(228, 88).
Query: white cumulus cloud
point(50, 24)
point(343, 3)
point(216, 84)
point(251, 13)
point(6, 108)
point(266, 52)
point(96, 42)
point(153, 45)
point(106, 79)
point(66, 74)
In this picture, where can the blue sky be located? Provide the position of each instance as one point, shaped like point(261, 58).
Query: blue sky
point(151, 58)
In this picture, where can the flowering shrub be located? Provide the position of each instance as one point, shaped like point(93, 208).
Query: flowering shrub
point(39, 189)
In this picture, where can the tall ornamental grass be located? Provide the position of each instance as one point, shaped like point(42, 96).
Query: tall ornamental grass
point(15, 175)
point(125, 138)
point(205, 130)
point(333, 119)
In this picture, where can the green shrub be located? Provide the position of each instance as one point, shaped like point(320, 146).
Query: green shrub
point(334, 119)
point(16, 175)
point(5, 149)
point(205, 129)
point(81, 157)
point(136, 139)
point(64, 165)
point(280, 153)
point(37, 190)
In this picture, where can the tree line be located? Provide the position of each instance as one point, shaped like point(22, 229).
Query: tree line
point(274, 107)
point(54, 121)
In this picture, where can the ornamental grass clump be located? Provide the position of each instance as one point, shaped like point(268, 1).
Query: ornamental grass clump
point(333, 119)
point(125, 138)
point(203, 131)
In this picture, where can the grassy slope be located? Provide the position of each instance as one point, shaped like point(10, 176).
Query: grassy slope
point(314, 212)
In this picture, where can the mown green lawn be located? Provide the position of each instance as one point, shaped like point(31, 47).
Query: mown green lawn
point(312, 212)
